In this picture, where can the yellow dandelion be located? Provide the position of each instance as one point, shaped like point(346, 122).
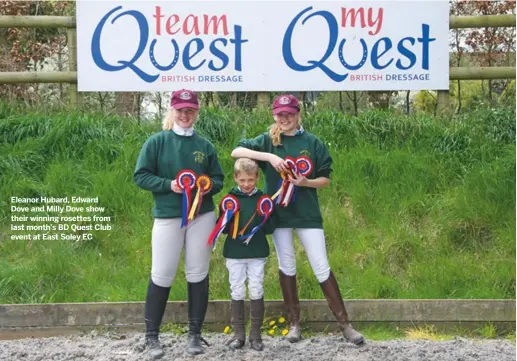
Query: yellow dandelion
point(274, 327)
point(227, 330)
point(281, 320)
point(272, 323)
point(271, 332)
point(284, 332)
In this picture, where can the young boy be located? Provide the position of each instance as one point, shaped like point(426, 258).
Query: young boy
point(246, 261)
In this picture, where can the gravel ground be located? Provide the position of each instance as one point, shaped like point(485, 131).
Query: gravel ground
point(128, 347)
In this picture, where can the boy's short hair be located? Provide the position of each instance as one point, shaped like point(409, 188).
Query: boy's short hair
point(245, 165)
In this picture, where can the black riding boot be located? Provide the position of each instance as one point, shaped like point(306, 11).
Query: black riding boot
point(197, 305)
point(155, 304)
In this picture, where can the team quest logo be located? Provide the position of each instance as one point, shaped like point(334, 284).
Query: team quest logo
point(193, 51)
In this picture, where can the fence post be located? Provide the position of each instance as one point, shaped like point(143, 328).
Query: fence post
point(442, 102)
point(75, 99)
point(262, 100)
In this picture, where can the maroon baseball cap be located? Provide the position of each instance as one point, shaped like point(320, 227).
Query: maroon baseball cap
point(286, 103)
point(184, 99)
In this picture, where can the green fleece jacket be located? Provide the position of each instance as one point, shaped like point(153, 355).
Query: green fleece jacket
point(163, 156)
point(258, 246)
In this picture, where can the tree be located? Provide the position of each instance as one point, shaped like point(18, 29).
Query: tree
point(33, 45)
point(492, 45)
point(27, 48)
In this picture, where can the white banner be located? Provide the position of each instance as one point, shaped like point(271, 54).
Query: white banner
point(262, 45)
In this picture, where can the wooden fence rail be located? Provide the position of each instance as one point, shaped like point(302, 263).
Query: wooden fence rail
point(457, 73)
point(57, 22)
point(27, 320)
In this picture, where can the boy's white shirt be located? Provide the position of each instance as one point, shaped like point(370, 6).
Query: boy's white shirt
point(255, 190)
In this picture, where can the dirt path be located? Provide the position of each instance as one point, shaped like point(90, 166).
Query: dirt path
point(127, 347)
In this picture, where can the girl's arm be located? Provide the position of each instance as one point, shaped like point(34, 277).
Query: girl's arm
point(241, 152)
point(276, 162)
point(145, 172)
point(317, 183)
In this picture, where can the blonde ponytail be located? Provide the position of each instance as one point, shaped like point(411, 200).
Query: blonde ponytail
point(168, 120)
point(274, 133)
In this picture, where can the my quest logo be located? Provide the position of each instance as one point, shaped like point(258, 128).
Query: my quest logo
point(217, 55)
point(385, 52)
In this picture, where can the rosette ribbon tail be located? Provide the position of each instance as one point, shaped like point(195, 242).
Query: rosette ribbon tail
point(219, 227)
point(264, 209)
point(229, 210)
point(185, 207)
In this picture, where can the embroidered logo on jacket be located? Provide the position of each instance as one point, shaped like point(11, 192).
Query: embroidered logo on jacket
point(305, 152)
point(199, 157)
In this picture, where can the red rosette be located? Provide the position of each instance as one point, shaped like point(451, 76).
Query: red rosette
point(186, 179)
point(304, 165)
point(265, 206)
point(229, 203)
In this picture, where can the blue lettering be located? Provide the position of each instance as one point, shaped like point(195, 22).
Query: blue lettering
point(187, 56)
point(363, 59)
point(238, 41)
point(376, 56)
point(144, 35)
point(333, 31)
point(425, 40)
point(407, 53)
point(174, 61)
point(219, 54)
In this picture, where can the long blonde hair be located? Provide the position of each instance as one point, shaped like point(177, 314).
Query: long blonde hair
point(274, 133)
point(168, 120)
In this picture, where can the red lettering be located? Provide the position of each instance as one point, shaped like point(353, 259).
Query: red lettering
point(171, 21)
point(194, 27)
point(190, 24)
point(353, 13)
point(215, 21)
point(377, 21)
point(358, 15)
point(158, 15)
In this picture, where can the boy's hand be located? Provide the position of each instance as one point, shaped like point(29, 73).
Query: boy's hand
point(299, 180)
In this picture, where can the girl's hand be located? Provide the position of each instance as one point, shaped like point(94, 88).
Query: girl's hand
point(175, 187)
point(278, 163)
point(299, 180)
